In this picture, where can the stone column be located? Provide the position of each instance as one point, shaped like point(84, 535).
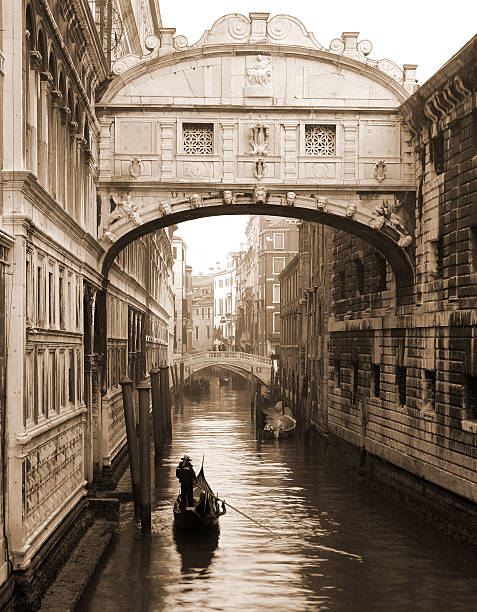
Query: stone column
point(46, 80)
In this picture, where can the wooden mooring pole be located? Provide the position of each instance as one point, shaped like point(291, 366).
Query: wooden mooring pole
point(144, 455)
point(157, 420)
point(127, 389)
point(181, 384)
point(166, 402)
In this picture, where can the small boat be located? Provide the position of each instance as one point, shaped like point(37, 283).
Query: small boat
point(279, 421)
point(223, 381)
point(206, 510)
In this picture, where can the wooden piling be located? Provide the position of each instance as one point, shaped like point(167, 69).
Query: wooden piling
point(181, 385)
point(157, 420)
point(166, 402)
point(127, 389)
point(144, 455)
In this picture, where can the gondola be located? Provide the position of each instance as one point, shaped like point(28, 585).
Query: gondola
point(206, 510)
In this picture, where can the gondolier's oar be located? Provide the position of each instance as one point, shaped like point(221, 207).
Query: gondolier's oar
point(237, 510)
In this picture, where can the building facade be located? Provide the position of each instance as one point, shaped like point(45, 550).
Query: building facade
point(202, 308)
point(400, 385)
point(272, 242)
point(225, 293)
point(71, 339)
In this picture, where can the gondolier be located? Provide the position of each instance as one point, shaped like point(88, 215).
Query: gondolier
point(186, 475)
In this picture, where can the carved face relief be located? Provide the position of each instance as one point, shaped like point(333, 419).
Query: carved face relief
point(228, 197)
point(195, 200)
point(259, 195)
point(321, 203)
point(164, 208)
point(351, 210)
point(291, 198)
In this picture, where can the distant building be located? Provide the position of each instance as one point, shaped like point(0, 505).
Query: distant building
point(181, 286)
point(202, 312)
point(224, 303)
point(273, 242)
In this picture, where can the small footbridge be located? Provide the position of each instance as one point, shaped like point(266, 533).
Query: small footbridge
point(234, 361)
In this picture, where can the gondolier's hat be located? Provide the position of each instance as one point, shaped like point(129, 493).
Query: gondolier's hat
point(186, 457)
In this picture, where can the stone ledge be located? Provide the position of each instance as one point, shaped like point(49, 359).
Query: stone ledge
point(70, 584)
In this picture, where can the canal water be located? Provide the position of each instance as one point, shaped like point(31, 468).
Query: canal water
point(338, 547)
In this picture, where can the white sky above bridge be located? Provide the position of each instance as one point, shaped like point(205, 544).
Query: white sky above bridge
point(426, 32)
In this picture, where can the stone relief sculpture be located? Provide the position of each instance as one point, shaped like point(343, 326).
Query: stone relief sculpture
point(259, 169)
point(228, 196)
point(164, 208)
point(109, 236)
point(380, 171)
point(290, 198)
point(195, 200)
point(260, 74)
point(259, 194)
point(259, 139)
point(124, 209)
point(385, 215)
point(136, 167)
point(321, 203)
point(351, 210)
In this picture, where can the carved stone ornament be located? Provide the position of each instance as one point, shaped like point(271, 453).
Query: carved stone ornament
point(385, 215)
point(164, 208)
point(195, 200)
point(260, 74)
point(321, 203)
point(136, 167)
point(229, 197)
point(125, 209)
point(291, 198)
point(259, 194)
point(259, 169)
point(109, 236)
point(351, 210)
point(259, 139)
point(380, 171)
point(258, 78)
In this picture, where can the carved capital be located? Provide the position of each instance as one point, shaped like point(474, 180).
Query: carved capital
point(46, 77)
point(56, 97)
point(35, 60)
point(65, 114)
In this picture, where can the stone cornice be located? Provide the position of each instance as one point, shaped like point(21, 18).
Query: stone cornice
point(27, 183)
point(439, 98)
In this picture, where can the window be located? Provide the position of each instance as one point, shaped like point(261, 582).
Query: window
point(276, 322)
point(337, 372)
point(341, 285)
point(208, 332)
point(174, 252)
point(320, 140)
point(401, 384)
point(278, 241)
point(196, 332)
point(359, 271)
point(470, 397)
point(278, 264)
point(276, 294)
point(382, 276)
point(198, 138)
point(376, 369)
point(429, 388)
point(221, 283)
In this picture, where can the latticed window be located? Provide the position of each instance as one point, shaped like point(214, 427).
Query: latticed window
point(198, 138)
point(320, 140)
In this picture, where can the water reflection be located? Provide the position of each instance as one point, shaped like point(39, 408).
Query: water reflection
point(196, 549)
point(340, 547)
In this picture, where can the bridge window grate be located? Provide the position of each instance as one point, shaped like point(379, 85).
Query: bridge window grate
point(197, 138)
point(320, 140)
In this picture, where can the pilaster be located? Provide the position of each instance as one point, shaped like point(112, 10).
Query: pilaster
point(228, 152)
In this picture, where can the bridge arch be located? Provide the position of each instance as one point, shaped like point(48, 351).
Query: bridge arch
point(376, 227)
point(240, 362)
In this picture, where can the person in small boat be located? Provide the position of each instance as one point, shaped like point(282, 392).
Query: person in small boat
point(186, 475)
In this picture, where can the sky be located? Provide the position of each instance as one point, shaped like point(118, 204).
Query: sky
point(425, 32)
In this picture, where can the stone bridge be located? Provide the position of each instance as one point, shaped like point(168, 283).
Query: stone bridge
point(241, 363)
